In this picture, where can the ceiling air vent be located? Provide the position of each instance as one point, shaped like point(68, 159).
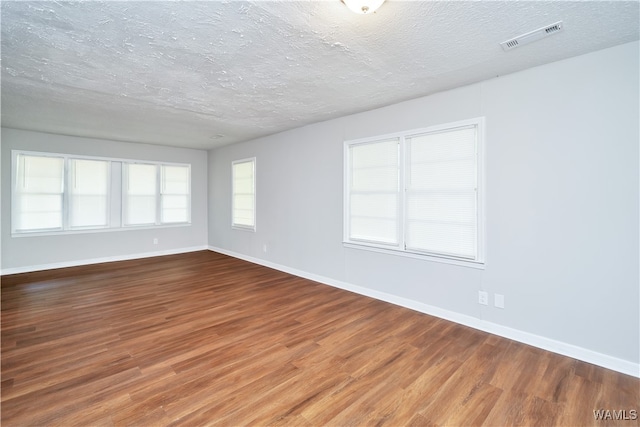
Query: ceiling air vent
point(532, 36)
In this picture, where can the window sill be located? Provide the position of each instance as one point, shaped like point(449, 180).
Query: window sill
point(243, 228)
point(462, 263)
point(97, 230)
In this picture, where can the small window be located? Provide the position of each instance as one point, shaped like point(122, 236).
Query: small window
point(175, 194)
point(140, 188)
point(89, 193)
point(417, 193)
point(441, 193)
point(373, 192)
point(243, 210)
point(38, 193)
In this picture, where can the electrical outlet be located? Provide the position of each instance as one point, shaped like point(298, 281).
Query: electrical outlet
point(483, 298)
point(155, 240)
point(498, 300)
point(264, 248)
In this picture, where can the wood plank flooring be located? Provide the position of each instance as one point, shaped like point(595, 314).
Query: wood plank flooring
point(204, 339)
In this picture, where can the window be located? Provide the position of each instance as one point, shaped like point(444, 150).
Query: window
point(61, 193)
point(140, 188)
point(417, 192)
point(175, 194)
point(142, 193)
point(89, 193)
point(373, 195)
point(243, 210)
point(38, 193)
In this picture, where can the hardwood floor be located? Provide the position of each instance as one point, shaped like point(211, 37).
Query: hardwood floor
point(202, 338)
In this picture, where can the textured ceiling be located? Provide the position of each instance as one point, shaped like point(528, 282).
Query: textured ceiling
point(202, 74)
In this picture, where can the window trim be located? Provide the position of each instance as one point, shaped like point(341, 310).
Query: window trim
point(115, 199)
point(235, 226)
point(400, 249)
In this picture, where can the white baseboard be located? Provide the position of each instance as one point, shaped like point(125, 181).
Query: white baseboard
point(76, 263)
point(559, 347)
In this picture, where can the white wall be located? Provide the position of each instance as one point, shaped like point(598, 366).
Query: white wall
point(562, 207)
point(30, 253)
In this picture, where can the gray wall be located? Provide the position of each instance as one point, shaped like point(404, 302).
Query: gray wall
point(562, 202)
point(34, 252)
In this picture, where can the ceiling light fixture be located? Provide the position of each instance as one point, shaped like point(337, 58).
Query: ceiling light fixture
point(363, 7)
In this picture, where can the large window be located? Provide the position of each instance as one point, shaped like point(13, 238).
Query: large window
point(64, 193)
point(243, 203)
point(417, 192)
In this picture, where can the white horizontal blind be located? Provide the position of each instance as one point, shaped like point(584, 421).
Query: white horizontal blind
point(243, 198)
point(373, 192)
point(441, 197)
point(88, 193)
point(140, 187)
point(175, 190)
point(38, 195)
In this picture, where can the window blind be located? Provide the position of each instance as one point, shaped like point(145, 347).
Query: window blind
point(374, 192)
point(441, 196)
point(38, 193)
point(175, 194)
point(140, 194)
point(88, 193)
point(243, 198)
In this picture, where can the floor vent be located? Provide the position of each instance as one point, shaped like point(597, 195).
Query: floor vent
point(532, 36)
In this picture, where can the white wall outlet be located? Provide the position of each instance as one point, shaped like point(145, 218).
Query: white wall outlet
point(483, 298)
point(155, 240)
point(264, 248)
point(498, 300)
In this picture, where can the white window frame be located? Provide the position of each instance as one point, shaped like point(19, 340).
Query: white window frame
point(115, 199)
point(162, 192)
point(400, 249)
point(66, 209)
point(125, 194)
point(396, 192)
point(14, 197)
point(251, 160)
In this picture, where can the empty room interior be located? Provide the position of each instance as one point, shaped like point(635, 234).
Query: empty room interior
point(320, 213)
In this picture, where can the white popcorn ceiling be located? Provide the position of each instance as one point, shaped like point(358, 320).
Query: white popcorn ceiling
point(203, 74)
